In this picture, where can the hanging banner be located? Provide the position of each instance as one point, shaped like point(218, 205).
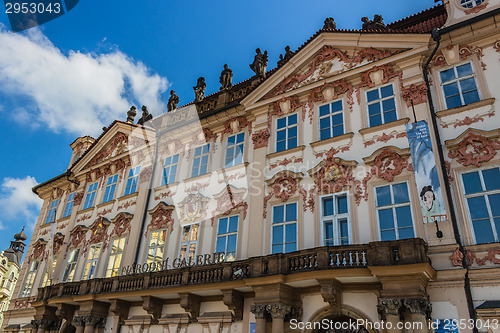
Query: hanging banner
point(426, 175)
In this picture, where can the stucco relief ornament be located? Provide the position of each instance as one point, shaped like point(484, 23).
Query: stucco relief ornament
point(58, 241)
point(260, 139)
point(193, 207)
point(122, 224)
point(161, 217)
point(474, 149)
point(415, 93)
point(117, 145)
point(229, 199)
point(145, 174)
point(39, 249)
point(99, 232)
point(235, 125)
point(78, 235)
point(457, 258)
point(388, 164)
point(283, 186)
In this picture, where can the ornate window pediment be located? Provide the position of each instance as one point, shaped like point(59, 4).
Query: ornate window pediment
point(99, 231)
point(193, 208)
point(161, 217)
point(39, 249)
point(474, 146)
point(228, 200)
point(388, 162)
point(78, 234)
point(333, 174)
point(121, 224)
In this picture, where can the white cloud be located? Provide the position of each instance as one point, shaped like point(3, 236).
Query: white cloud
point(18, 203)
point(78, 92)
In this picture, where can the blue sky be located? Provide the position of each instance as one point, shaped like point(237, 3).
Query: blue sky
point(76, 74)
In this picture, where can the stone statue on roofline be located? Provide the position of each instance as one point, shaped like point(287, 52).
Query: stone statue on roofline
point(131, 114)
point(225, 78)
point(288, 55)
point(172, 101)
point(259, 64)
point(146, 116)
point(329, 24)
point(376, 24)
point(199, 90)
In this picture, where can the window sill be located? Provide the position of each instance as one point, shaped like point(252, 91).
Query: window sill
point(104, 204)
point(460, 109)
point(332, 140)
point(86, 210)
point(165, 186)
point(62, 219)
point(195, 178)
point(128, 196)
point(286, 152)
point(396, 123)
point(232, 168)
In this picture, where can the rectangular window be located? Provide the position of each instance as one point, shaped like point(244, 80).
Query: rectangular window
point(51, 215)
point(132, 179)
point(115, 257)
point(156, 246)
point(286, 132)
point(394, 212)
point(170, 169)
point(69, 271)
point(381, 105)
point(200, 162)
point(331, 120)
point(227, 235)
point(189, 242)
point(109, 191)
point(91, 263)
point(69, 205)
point(482, 193)
point(89, 199)
point(49, 272)
point(459, 86)
point(234, 150)
point(30, 279)
point(335, 219)
point(284, 233)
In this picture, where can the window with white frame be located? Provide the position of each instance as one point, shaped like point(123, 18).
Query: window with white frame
point(470, 3)
point(394, 212)
point(227, 235)
point(89, 199)
point(286, 132)
point(170, 169)
point(10, 281)
point(234, 150)
point(381, 105)
point(482, 193)
point(92, 259)
point(156, 246)
point(30, 279)
point(284, 228)
point(189, 242)
point(68, 208)
point(69, 271)
point(109, 191)
point(200, 161)
point(459, 85)
point(51, 214)
point(132, 180)
point(49, 272)
point(115, 257)
point(335, 219)
point(331, 120)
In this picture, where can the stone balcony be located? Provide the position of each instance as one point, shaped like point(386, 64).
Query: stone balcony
point(327, 258)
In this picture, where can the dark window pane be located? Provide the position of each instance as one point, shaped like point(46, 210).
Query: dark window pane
point(281, 123)
point(403, 214)
point(280, 146)
point(337, 106)
point(324, 123)
point(278, 234)
point(389, 104)
point(291, 233)
point(390, 116)
point(324, 110)
point(483, 231)
point(231, 140)
point(400, 193)
point(281, 135)
point(240, 138)
point(290, 247)
point(221, 244)
point(472, 183)
point(337, 119)
point(231, 243)
point(447, 75)
point(327, 206)
point(292, 132)
point(291, 212)
point(278, 214)
point(338, 130)
point(328, 230)
point(373, 109)
point(464, 70)
point(406, 233)
point(292, 143)
point(471, 97)
point(277, 248)
point(494, 200)
point(453, 102)
point(375, 120)
point(451, 89)
point(383, 196)
point(386, 219)
point(477, 208)
point(324, 134)
point(292, 120)
point(342, 204)
point(372, 95)
point(386, 91)
point(233, 224)
point(344, 228)
point(388, 235)
point(222, 226)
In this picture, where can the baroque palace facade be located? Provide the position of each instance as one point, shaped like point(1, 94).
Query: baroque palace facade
point(333, 188)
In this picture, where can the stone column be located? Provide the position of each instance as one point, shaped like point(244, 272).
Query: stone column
point(260, 317)
point(91, 322)
point(420, 309)
point(278, 312)
point(79, 323)
point(389, 311)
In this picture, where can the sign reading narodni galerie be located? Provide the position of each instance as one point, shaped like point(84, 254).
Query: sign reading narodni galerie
point(200, 260)
point(426, 175)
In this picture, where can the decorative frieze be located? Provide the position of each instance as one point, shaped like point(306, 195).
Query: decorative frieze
point(260, 139)
point(161, 217)
point(493, 256)
point(416, 93)
point(121, 224)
